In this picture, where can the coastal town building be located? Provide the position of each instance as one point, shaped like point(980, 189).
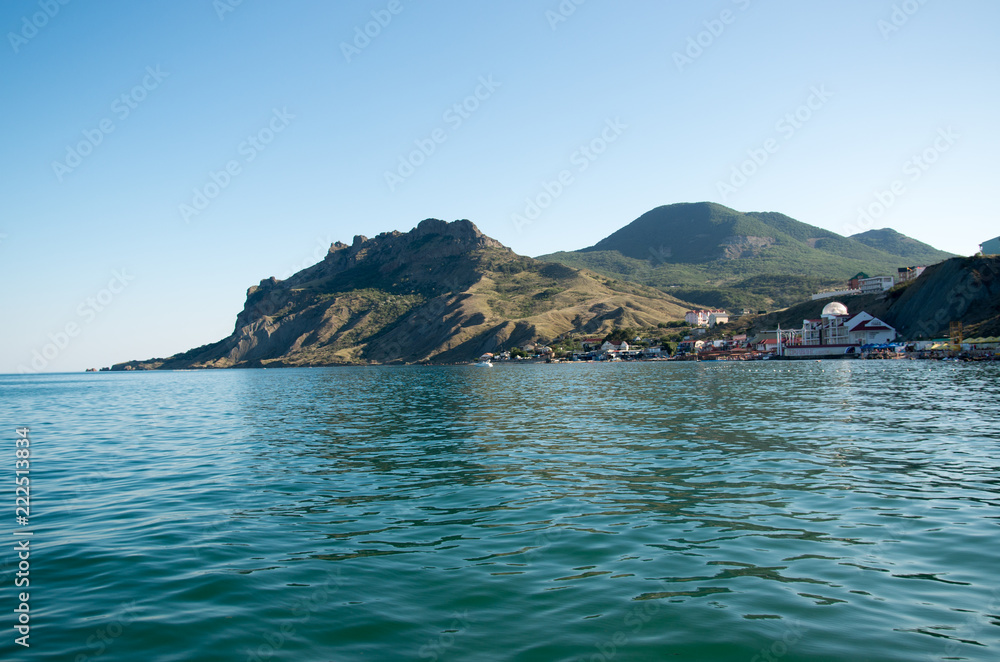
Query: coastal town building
point(838, 333)
point(716, 317)
point(766, 345)
point(906, 274)
point(876, 284)
point(705, 317)
point(830, 294)
point(866, 329)
point(862, 283)
point(990, 247)
point(690, 346)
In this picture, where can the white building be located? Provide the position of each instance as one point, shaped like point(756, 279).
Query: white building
point(876, 284)
point(717, 317)
point(834, 293)
point(694, 317)
point(909, 273)
point(865, 329)
point(839, 328)
point(703, 317)
point(830, 329)
point(608, 346)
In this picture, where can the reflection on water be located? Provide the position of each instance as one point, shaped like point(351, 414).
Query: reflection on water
point(802, 511)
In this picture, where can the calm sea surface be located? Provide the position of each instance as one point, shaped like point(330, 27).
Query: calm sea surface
point(769, 511)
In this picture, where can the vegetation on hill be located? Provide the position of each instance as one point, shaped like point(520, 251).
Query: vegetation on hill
point(716, 256)
point(890, 241)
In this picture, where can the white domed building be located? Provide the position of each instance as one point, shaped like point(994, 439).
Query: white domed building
point(834, 309)
point(839, 333)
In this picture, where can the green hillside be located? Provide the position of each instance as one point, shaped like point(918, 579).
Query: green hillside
point(890, 241)
point(716, 256)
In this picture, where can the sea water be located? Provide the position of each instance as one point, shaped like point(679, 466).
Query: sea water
point(831, 510)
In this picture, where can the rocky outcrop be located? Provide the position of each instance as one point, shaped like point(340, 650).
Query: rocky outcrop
point(962, 289)
point(737, 247)
point(442, 292)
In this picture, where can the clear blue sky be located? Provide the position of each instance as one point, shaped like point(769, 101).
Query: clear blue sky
point(163, 94)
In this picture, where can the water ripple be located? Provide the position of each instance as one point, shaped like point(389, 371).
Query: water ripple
point(563, 512)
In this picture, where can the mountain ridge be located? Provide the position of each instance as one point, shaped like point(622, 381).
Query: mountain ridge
point(714, 255)
point(445, 292)
point(440, 293)
point(897, 243)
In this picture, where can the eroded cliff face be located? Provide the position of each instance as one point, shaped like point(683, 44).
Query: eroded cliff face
point(442, 292)
point(739, 246)
point(962, 289)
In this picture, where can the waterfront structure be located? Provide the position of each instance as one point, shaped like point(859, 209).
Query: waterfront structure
point(766, 345)
point(839, 333)
point(776, 340)
point(690, 346)
point(866, 329)
point(830, 329)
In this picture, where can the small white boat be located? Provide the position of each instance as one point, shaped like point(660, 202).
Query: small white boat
point(483, 364)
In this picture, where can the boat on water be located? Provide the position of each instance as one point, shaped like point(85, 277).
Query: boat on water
point(484, 361)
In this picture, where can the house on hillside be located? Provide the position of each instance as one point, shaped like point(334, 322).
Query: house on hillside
point(855, 282)
point(905, 274)
point(704, 317)
point(718, 317)
point(860, 283)
point(876, 284)
point(830, 294)
point(990, 247)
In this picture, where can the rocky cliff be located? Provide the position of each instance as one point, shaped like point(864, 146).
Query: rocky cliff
point(962, 289)
point(443, 292)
